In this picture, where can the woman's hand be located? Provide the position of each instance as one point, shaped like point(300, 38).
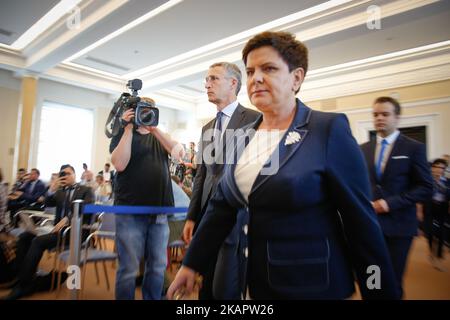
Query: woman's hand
point(188, 230)
point(182, 285)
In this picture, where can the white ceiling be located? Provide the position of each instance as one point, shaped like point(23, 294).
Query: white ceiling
point(12, 27)
point(170, 44)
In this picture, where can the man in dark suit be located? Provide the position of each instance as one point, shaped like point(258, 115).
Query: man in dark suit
point(27, 194)
point(30, 247)
point(223, 82)
point(400, 178)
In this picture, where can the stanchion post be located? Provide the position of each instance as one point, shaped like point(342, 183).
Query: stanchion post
point(75, 241)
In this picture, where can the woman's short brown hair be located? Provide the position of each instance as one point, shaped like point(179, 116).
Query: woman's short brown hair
point(293, 52)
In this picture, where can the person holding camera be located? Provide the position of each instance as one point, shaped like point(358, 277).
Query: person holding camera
point(30, 248)
point(140, 155)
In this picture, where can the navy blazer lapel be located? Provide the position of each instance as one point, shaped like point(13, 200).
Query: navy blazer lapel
point(285, 151)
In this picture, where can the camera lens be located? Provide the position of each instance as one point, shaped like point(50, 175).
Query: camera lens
point(62, 174)
point(146, 115)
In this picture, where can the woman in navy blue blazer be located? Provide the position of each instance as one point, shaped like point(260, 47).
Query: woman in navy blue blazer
point(310, 230)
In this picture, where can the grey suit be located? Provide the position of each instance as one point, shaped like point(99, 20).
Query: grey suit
point(205, 184)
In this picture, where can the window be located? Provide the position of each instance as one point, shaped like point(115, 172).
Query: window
point(65, 136)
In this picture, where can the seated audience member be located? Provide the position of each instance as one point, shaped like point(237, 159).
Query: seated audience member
point(102, 190)
point(4, 219)
point(30, 247)
point(28, 194)
point(436, 214)
point(20, 180)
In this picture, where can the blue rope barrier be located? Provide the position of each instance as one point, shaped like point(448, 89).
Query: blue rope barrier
point(94, 208)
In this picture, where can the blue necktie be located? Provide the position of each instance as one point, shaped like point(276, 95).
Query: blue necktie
point(384, 144)
point(219, 121)
point(217, 132)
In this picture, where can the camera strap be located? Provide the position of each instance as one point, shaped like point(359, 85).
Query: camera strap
point(111, 127)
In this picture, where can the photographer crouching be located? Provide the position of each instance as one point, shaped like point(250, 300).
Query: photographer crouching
point(140, 153)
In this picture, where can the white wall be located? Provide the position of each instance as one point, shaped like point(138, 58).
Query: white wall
point(100, 103)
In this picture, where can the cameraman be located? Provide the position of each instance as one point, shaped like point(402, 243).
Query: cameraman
point(141, 157)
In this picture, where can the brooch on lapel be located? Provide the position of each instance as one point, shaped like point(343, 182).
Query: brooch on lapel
point(292, 137)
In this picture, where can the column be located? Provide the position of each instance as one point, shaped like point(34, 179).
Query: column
point(25, 121)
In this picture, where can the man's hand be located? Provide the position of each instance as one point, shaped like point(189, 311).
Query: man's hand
point(16, 195)
point(188, 230)
point(182, 285)
point(380, 206)
point(61, 224)
point(57, 183)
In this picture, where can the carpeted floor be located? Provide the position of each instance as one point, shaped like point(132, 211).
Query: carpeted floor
point(422, 280)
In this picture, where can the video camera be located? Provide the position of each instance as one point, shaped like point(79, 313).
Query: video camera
point(146, 114)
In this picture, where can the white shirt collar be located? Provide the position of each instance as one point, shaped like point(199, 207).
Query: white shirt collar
point(229, 109)
point(390, 138)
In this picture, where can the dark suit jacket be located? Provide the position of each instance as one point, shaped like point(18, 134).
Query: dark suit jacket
point(226, 274)
point(310, 225)
point(32, 196)
point(112, 172)
point(58, 198)
point(208, 175)
point(406, 180)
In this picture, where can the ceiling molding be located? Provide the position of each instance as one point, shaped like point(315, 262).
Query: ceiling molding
point(401, 68)
point(49, 19)
point(405, 105)
point(188, 65)
point(125, 28)
point(110, 7)
point(411, 68)
point(86, 79)
point(11, 59)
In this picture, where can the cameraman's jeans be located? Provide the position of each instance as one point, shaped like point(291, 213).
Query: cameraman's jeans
point(139, 236)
